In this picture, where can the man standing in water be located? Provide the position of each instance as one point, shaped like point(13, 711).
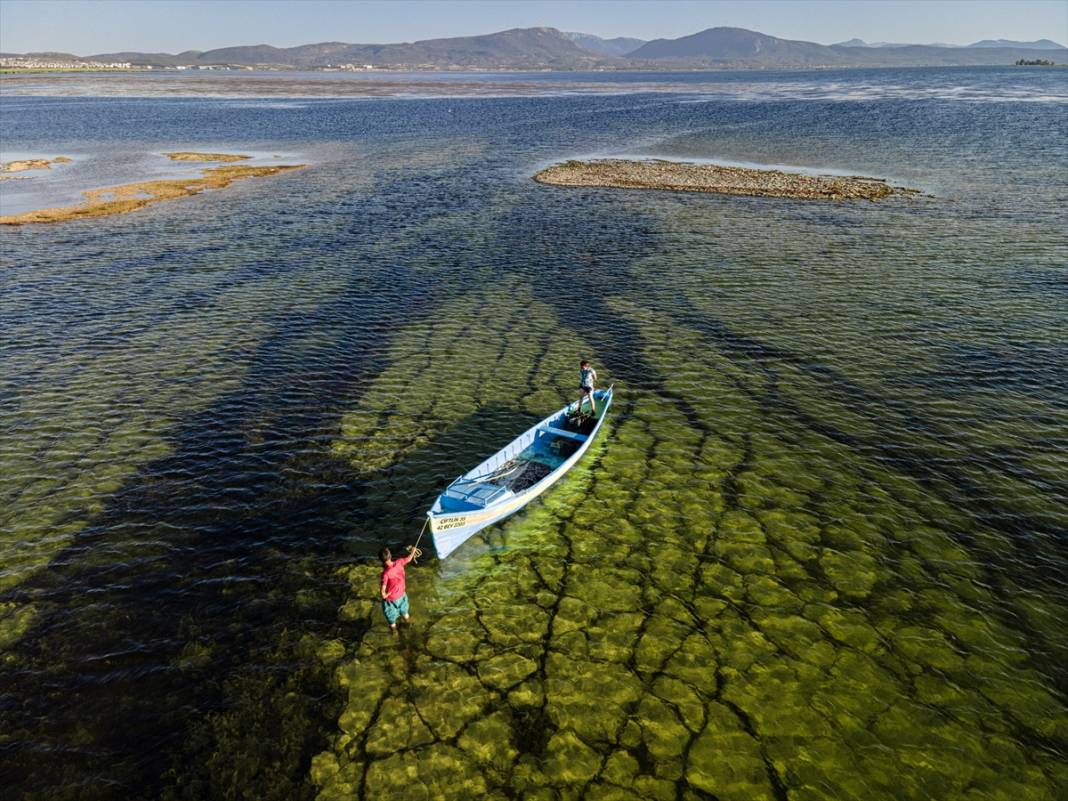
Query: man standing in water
point(394, 594)
point(587, 375)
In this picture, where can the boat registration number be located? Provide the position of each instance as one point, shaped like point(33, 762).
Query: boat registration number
point(451, 522)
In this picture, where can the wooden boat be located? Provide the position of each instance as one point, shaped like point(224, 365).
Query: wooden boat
point(514, 476)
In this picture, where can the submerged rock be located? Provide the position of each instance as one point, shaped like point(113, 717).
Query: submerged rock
point(726, 762)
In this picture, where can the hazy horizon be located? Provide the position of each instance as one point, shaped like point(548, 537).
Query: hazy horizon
point(85, 28)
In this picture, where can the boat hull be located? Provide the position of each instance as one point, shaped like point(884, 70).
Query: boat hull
point(450, 529)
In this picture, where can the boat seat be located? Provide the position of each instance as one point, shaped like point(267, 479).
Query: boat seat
point(478, 493)
point(561, 433)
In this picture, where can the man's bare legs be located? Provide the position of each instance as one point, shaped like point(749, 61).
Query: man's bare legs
point(593, 404)
point(393, 626)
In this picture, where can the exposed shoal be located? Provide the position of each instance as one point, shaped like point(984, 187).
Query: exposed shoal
point(715, 178)
point(21, 165)
point(130, 197)
point(185, 155)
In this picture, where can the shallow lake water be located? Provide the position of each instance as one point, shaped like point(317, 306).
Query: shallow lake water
point(818, 552)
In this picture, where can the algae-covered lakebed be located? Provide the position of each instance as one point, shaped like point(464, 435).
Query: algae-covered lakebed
point(817, 552)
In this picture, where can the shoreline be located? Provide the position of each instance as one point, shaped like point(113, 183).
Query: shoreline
point(677, 176)
point(301, 85)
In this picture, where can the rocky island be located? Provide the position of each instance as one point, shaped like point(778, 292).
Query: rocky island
point(688, 177)
point(130, 197)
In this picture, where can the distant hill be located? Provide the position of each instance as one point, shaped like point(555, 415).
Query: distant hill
point(519, 48)
point(862, 43)
point(1041, 44)
point(49, 55)
point(548, 48)
point(156, 59)
point(740, 48)
point(619, 46)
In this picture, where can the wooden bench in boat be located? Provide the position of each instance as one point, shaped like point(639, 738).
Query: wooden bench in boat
point(561, 433)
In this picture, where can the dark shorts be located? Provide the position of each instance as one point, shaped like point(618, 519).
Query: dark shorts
point(587, 390)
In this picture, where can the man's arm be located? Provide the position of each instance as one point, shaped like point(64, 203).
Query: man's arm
point(383, 589)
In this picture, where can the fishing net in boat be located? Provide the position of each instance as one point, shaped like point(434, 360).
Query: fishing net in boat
point(529, 475)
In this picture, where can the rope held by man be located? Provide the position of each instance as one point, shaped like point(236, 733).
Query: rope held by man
point(416, 553)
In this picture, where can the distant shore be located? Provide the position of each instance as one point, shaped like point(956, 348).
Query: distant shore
point(716, 179)
point(43, 70)
point(130, 197)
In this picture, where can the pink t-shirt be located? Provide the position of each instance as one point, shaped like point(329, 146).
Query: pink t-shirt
point(393, 578)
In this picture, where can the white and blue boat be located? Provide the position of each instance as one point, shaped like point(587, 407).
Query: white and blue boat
point(514, 476)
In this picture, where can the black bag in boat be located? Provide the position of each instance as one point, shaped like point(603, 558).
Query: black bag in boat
point(580, 423)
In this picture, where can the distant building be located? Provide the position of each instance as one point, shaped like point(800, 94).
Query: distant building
point(31, 63)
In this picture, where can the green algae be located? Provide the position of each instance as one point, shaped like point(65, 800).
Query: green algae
point(489, 741)
point(726, 761)
point(437, 772)
point(733, 644)
point(15, 620)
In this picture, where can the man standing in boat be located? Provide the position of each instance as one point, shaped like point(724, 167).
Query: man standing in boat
point(587, 375)
point(394, 593)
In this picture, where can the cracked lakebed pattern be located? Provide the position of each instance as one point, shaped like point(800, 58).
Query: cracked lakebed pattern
point(701, 611)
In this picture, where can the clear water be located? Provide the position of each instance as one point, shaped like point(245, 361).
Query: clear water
point(818, 551)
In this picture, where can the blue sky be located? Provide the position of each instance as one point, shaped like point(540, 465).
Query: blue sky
point(94, 26)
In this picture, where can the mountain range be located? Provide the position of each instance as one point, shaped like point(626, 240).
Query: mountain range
point(548, 48)
point(1040, 44)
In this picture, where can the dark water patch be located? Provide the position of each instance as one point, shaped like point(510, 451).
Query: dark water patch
point(220, 503)
point(1031, 368)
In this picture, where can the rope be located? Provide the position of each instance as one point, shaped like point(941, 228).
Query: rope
point(416, 553)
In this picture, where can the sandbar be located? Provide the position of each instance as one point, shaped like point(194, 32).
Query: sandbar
point(718, 179)
point(22, 165)
point(185, 155)
point(130, 197)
